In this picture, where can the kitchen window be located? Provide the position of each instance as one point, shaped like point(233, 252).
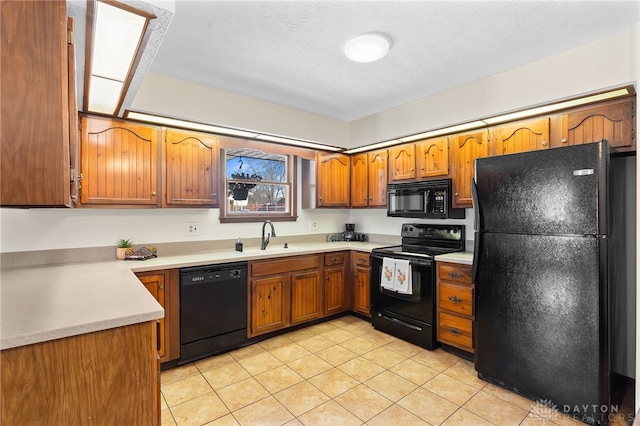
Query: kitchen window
point(258, 185)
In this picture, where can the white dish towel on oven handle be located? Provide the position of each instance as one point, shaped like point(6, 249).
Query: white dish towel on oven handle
point(402, 277)
point(387, 278)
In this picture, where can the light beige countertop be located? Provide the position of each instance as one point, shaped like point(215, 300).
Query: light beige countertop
point(464, 257)
point(42, 303)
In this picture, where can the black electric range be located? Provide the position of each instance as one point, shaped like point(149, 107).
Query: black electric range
point(407, 308)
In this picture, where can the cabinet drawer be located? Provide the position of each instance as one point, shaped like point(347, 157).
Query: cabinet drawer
point(455, 329)
point(334, 259)
point(456, 298)
point(288, 264)
point(362, 259)
point(454, 272)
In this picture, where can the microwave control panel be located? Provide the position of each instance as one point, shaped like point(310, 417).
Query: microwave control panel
point(439, 201)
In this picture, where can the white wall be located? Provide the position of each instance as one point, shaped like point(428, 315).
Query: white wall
point(170, 97)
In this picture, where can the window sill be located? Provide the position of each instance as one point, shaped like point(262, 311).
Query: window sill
point(257, 218)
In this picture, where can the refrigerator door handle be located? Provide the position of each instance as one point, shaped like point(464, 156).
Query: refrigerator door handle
point(476, 205)
point(476, 254)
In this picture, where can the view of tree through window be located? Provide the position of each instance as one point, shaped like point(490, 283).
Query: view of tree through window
point(256, 182)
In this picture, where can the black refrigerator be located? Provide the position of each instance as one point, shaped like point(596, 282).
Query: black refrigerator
point(541, 277)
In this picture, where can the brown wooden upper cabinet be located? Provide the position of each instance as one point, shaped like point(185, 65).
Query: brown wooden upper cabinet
point(369, 179)
point(466, 149)
point(402, 162)
point(37, 152)
point(192, 165)
point(119, 162)
point(612, 121)
point(521, 136)
point(333, 183)
point(433, 157)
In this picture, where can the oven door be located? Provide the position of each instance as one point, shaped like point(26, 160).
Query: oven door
point(420, 304)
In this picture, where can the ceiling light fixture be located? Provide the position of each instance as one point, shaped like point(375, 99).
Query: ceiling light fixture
point(367, 47)
point(117, 32)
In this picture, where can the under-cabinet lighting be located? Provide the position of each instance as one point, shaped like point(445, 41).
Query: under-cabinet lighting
point(228, 131)
point(616, 93)
point(189, 124)
point(298, 142)
point(444, 131)
point(117, 36)
point(378, 145)
point(557, 106)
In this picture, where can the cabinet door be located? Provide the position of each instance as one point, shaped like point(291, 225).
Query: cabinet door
point(402, 162)
point(522, 136)
point(305, 296)
point(433, 157)
point(359, 181)
point(191, 176)
point(156, 286)
point(268, 303)
point(334, 295)
point(378, 171)
point(333, 173)
point(466, 149)
point(35, 112)
point(613, 122)
point(362, 296)
point(119, 162)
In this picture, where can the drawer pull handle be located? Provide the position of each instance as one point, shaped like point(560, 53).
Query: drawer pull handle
point(455, 330)
point(335, 260)
point(362, 259)
point(455, 275)
point(455, 299)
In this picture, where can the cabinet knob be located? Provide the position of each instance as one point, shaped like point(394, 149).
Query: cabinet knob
point(411, 169)
point(457, 194)
point(455, 299)
point(544, 143)
point(214, 195)
point(421, 168)
point(364, 198)
point(564, 140)
point(370, 198)
point(319, 198)
point(153, 193)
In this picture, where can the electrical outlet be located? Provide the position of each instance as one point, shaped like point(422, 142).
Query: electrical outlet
point(193, 229)
point(313, 224)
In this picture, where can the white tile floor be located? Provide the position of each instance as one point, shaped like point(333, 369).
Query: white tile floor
point(341, 372)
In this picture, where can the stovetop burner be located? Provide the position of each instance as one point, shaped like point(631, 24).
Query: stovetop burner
point(427, 240)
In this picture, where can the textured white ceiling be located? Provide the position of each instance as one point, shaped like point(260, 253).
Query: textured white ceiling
point(291, 52)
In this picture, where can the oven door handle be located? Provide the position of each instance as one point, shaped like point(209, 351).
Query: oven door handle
point(400, 322)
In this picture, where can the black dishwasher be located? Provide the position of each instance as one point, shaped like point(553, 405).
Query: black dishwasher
point(213, 309)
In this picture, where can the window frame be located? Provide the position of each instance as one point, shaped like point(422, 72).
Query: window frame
point(290, 216)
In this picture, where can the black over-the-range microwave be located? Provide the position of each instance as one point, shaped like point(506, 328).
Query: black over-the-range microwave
point(429, 199)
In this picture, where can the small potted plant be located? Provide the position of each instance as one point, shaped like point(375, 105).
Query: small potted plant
point(122, 246)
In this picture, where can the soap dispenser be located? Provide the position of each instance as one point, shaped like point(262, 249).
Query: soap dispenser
point(239, 244)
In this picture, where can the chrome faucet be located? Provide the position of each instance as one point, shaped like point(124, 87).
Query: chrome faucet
point(265, 241)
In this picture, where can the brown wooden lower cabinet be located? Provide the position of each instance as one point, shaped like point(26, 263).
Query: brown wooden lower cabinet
point(455, 305)
point(283, 292)
point(361, 262)
point(335, 283)
point(164, 285)
point(105, 377)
